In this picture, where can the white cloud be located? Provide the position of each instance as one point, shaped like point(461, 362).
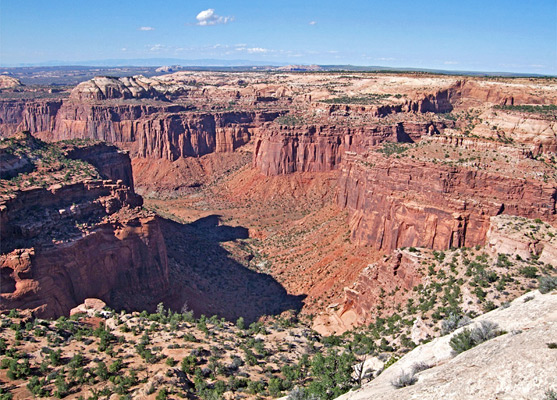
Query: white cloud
point(146, 28)
point(252, 50)
point(124, 49)
point(312, 22)
point(157, 47)
point(450, 62)
point(208, 17)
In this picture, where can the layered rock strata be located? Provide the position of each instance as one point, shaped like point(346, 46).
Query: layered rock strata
point(90, 238)
point(401, 202)
point(150, 131)
point(317, 148)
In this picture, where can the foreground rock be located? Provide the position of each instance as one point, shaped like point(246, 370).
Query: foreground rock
point(516, 365)
point(89, 306)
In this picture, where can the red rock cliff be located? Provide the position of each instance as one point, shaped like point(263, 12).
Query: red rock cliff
point(71, 241)
point(283, 149)
point(123, 263)
point(151, 131)
point(400, 202)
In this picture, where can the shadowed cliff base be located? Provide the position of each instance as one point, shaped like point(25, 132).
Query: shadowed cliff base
point(208, 279)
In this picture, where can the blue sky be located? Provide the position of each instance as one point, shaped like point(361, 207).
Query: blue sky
point(501, 35)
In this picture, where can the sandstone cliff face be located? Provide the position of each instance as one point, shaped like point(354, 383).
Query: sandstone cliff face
point(283, 149)
point(407, 203)
point(89, 238)
point(174, 136)
point(151, 131)
point(28, 115)
point(474, 93)
point(122, 263)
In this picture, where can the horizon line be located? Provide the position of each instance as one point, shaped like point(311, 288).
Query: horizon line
point(261, 64)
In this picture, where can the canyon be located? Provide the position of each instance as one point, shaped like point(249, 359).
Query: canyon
point(256, 174)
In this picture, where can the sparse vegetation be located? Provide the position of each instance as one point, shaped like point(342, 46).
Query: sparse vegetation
point(390, 148)
point(547, 284)
point(469, 338)
point(290, 120)
point(404, 379)
point(550, 394)
point(368, 99)
point(549, 110)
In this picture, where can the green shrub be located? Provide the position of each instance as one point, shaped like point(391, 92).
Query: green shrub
point(469, 338)
point(62, 387)
point(275, 387)
point(188, 364)
point(462, 341)
point(116, 366)
point(55, 357)
point(38, 387)
point(529, 272)
point(550, 394)
point(547, 284)
point(102, 371)
point(331, 374)
point(162, 394)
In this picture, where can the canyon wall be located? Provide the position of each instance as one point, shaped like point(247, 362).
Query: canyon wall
point(123, 263)
point(317, 148)
point(69, 241)
point(401, 202)
point(154, 131)
point(28, 115)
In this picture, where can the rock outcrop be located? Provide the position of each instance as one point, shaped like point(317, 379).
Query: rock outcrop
point(9, 82)
point(77, 239)
point(123, 263)
point(110, 162)
point(523, 238)
point(400, 270)
point(493, 369)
